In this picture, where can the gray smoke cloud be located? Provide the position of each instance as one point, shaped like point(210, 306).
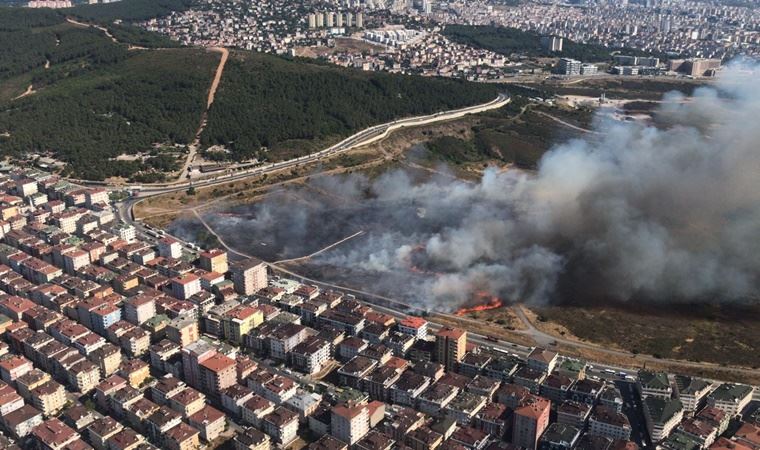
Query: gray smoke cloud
point(636, 212)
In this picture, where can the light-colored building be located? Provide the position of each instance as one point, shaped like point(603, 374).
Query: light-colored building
point(125, 232)
point(692, 392)
point(450, 346)
point(183, 331)
point(349, 423)
point(182, 437)
point(216, 373)
point(251, 439)
point(239, 321)
point(609, 423)
point(249, 276)
point(139, 309)
point(415, 326)
point(654, 384)
point(214, 260)
point(542, 360)
point(209, 421)
point(281, 425)
point(186, 285)
point(168, 247)
point(662, 416)
point(731, 398)
point(49, 398)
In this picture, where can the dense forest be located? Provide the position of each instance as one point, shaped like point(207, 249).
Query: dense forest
point(127, 10)
point(116, 108)
point(266, 101)
point(90, 99)
point(96, 99)
point(511, 40)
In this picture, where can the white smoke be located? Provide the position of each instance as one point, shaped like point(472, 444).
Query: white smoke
point(637, 212)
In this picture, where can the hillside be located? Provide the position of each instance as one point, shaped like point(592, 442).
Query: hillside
point(127, 10)
point(285, 105)
point(511, 40)
point(71, 91)
point(95, 99)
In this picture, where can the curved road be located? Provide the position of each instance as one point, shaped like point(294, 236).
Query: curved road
point(386, 304)
point(362, 138)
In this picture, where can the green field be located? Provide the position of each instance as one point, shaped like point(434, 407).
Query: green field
point(646, 88)
point(93, 99)
point(127, 10)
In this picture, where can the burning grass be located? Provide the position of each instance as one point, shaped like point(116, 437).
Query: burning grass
point(484, 301)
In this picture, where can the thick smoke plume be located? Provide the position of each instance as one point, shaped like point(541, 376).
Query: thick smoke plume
point(636, 212)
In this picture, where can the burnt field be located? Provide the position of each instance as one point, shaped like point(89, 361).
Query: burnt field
point(300, 222)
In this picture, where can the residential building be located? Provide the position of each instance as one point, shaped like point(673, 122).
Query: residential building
point(729, 397)
point(415, 326)
point(186, 285)
point(610, 423)
point(249, 276)
point(168, 247)
point(217, 372)
point(49, 398)
point(183, 331)
point(239, 321)
point(349, 423)
point(450, 346)
point(209, 421)
point(139, 309)
point(542, 360)
point(662, 416)
point(559, 436)
point(53, 434)
point(530, 421)
point(692, 392)
point(654, 384)
point(214, 260)
point(182, 437)
point(281, 425)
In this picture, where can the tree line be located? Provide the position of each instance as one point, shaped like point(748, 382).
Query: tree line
point(266, 101)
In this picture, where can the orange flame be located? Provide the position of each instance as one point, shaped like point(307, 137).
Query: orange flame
point(492, 303)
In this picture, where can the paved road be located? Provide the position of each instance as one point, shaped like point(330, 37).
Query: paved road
point(542, 337)
point(633, 409)
point(360, 139)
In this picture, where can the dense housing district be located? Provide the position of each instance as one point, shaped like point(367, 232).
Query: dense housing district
point(117, 341)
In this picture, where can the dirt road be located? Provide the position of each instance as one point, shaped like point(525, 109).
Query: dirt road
point(567, 124)
point(193, 148)
point(29, 91)
point(218, 75)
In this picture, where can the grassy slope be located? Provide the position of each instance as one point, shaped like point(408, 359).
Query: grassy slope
point(692, 332)
point(506, 135)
